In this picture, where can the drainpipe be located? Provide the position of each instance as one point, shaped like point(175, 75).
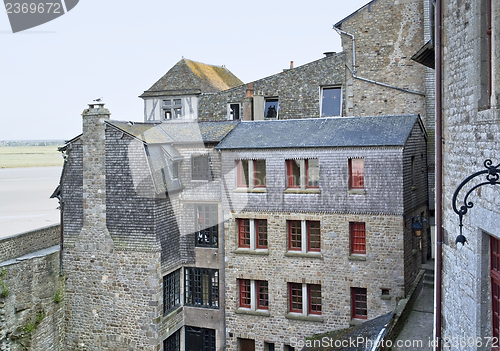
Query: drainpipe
point(439, 176)
point(353, 70)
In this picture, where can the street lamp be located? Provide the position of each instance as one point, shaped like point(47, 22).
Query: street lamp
point(491, 178)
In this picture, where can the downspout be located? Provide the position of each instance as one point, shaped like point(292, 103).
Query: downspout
point(439, 175)
point(353, 70)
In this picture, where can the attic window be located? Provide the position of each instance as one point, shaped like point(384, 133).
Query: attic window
point(331, 101)
point(271, 108)
point(172, 108)
point(233, 111)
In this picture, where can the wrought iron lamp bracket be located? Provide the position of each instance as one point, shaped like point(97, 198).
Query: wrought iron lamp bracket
point(492, 177)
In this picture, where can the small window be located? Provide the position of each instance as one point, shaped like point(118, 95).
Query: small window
point(175, 170)
point(200, 167)
point(172, 108)
point(271, 108)
point(233, 111)
point(356, 173)
point(312, 236)
point(252, 233)
point(331, 101)
point(302, 173)
point(358, 238)
point(359, 303)
point(206, 225)
point(202, 287)
point(254, 294)
point(171, 291)
point(296, 293)
point(251, 174)
point(172, 343)
point(269, 346)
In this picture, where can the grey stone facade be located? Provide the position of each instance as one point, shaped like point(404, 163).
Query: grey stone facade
point(470, 133)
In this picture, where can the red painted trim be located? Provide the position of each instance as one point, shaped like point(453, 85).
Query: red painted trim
point(243, 224)
point(309, 248)
point(291, 287)
point(257, 232)
point(357, 238)
point(245, 288)
point(257, 287)
point(290, 180)
point(290, 247)
point(309, 297)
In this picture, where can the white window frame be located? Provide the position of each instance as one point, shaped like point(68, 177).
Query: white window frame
point(321, 88)
point(229, 117)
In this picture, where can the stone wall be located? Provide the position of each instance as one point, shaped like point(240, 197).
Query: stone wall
point(297, 89)
point(28, 242)
point(333, 268)
point(470, 133)
point(32, 303)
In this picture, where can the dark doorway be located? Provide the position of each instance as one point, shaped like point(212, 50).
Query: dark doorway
point(246, 344)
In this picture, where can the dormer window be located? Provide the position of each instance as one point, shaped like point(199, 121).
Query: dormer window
point(271, 108)
point(172, 109)
point(233, 111)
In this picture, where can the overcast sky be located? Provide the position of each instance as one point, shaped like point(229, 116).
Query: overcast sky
point(118, 49)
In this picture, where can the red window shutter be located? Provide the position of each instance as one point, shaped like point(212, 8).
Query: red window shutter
point(358, 238)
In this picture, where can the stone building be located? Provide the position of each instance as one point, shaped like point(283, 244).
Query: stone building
point(471, 129)
point(152, 211)
point(318, 234)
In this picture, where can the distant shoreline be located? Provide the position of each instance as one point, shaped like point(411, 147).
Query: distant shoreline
point(30, 156)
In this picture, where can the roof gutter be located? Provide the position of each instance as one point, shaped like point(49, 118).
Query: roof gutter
point(439, 175)
point(353, 70)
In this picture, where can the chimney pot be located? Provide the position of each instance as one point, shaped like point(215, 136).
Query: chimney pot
point(291, 64)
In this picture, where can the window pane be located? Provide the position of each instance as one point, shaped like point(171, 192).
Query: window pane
point(294, 235)
point(245, 296)
point(331, 102)
point(271, 108)
point(171, 291)
point(199, 167)
point(244, 232)
point(242, 170)
point(314, 298)
point(260, 173)
point(356, 173)
point(234, 111)
point(360, 307)
point(314, 236)
point(263, 294)
point(261, 227)
point(293, 173)
point(206, 226)
point(358, 238)
point(313, 173)
point(295, 292)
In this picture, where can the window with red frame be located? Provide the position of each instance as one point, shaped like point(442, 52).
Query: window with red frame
point(356, 173)
point(295, 235)
point(313, 236)
point(261, 233)
point(314, 296)
point(255, 238)
point(245, 293)
point(262, 294)
point(295, 294)
point(251, 172)
point(359, 304)
point(244, 232)
point(358, 238)
point(311, 173)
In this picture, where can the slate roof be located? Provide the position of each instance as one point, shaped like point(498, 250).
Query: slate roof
point(177, 132)
point(321, 132)
point(190, 78)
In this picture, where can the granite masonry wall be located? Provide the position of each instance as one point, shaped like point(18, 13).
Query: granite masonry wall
point(28, 242)
point(32, 302)
point(470, 135)
point(297, 89)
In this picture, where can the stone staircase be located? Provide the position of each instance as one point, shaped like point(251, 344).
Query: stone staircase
point(429, 274)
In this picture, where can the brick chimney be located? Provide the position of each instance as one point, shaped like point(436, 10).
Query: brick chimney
point(94, 165)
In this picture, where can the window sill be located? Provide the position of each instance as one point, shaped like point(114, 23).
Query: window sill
point(318, 255)
point(261, 313)
point(356, 191)
point(354, 257)
point(261, 252)
point(254, 190)
point(302, 191)
point(385, 297)
point(356, 321)
point(301, 317)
